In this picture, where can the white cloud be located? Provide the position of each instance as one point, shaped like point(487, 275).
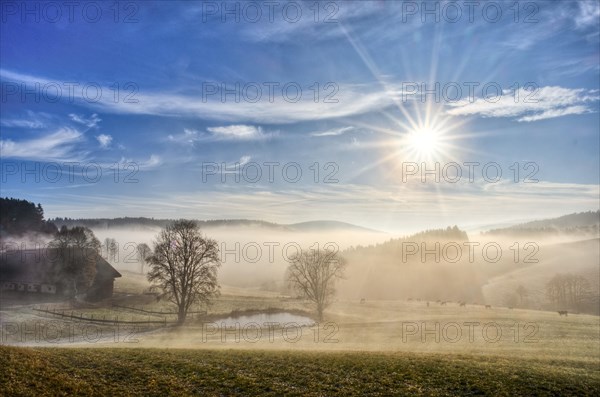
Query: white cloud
point(91, 122)
point(188, 136)
point(334, 132)
point(142, 165)
point(234, 166)
point(245, 160)
point(58, 146)
point(237, 132)
point(104, 140)
point(153, 162)
point(190, 132)
point(546, 102)
point(589, 14)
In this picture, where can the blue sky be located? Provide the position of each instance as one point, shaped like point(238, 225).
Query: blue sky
point(168, 125)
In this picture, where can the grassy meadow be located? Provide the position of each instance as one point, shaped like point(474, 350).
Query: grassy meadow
point(371, 348)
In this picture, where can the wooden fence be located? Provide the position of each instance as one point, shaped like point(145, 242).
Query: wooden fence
point(136, 309)
point(98, 320)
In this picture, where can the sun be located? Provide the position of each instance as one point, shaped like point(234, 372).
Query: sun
point(424, 143)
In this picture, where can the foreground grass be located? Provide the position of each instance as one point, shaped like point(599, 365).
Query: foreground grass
point(53, 371)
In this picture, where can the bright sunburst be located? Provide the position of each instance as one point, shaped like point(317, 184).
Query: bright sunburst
point(424, 142)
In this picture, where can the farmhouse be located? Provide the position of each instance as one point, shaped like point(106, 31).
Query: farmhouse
point(38, 271)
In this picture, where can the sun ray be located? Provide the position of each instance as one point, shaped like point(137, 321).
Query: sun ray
point(368, 61)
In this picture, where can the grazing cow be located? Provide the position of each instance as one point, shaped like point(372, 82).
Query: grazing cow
point(510, 308)
point(362, 300)
point(427, 304)
point(463, 304)
point(488, 306)
point(563, 313)
point(410, 299)
point(443, 303)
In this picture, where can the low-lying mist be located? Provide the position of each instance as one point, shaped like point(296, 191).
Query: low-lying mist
point(480, 268)
point(252, 256)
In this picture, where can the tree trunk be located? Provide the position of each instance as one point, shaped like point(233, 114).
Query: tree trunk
point(181, 315)
point(74, 287)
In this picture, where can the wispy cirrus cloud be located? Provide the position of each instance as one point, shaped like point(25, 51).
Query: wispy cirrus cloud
point(588, 15)
point(90, 122)
point(234, 132)
point(234, 166)
point(152, 162)
point(317, 24)
point(333, 132)
point(22, 123)
point(30, 120)
point(57, 146)
point(526, 106)
point(348, 100)
point(238, 132)
point(189, 136)
point(552, 113)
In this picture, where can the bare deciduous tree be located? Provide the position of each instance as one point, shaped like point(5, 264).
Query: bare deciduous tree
point(313, 274)
point(143, 254)
point(112, 248)
point(568, 291)
point(184, 265)
point(523, 293)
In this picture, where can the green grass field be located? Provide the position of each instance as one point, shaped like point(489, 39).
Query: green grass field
point(155, 372)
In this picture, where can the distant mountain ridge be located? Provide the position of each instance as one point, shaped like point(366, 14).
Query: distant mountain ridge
point(107, 223)
point(328, 225)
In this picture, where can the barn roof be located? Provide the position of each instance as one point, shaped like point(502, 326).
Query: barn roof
point(37, 265)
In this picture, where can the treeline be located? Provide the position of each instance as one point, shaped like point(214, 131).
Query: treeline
point(573, 292)
point(572, 224)
point(430, 265)
point(402, 250)
point(18, 217)
point(106, 223)
point(393, 248)
point(591, 230)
